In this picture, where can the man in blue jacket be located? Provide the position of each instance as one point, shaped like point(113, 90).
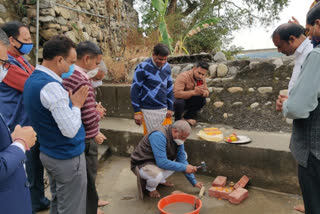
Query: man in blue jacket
point(14, 187)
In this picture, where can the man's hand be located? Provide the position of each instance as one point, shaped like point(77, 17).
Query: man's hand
point(205, 93)
point(280, 101)
point(99, 138)
point(199, 185)
point(169, 114)
point(27, 134)
point(294, 21)
point(191, 169)
point(138, 118)
point(102, 111)
point(198, 91)
point(79, 97)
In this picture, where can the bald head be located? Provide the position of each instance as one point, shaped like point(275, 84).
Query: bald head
point(286, 30)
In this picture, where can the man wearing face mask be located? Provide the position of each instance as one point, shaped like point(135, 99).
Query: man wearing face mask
point(89, 57)
point(11, 104)
point(56, 117)
point(161, 153)
point(190, 92)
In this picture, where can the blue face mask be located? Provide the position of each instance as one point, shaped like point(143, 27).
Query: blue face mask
point(69, 73)
point(25, 48)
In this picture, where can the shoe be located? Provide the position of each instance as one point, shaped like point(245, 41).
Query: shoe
point(44, 205)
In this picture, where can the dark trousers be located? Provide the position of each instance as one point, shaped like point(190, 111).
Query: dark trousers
point(309, 179)
point(91, 154)
point(34, 170)
point(190, 106)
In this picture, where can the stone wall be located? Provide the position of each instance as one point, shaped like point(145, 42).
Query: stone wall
point(242, 92)
point(109, 30)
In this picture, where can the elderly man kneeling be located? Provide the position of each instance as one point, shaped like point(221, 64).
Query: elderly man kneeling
point(161, 153)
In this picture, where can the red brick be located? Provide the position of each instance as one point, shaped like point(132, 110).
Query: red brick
point(242, 182)
point(220, 181)
point(237, 196)
point(219, 192)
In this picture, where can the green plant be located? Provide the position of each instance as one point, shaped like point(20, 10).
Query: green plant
point(161, 7)
point(194, 30)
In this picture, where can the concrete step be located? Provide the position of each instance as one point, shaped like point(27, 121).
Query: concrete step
point(267, 160)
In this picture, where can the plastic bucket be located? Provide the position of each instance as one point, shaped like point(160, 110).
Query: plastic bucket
point(186, 198)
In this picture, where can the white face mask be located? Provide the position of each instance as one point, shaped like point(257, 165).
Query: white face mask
point(92, 72)
point(96, 84)
point(179, 142)
point(3, 73)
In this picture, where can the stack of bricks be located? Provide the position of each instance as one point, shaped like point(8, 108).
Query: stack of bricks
point(235, 195)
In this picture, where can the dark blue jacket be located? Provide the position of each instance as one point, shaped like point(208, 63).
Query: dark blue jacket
point(14, 187)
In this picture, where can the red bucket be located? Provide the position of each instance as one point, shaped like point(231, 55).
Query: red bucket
point(186, 198)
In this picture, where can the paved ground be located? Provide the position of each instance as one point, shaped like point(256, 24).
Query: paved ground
point(117, 184)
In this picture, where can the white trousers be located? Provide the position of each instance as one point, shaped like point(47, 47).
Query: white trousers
point(154, 176)
point(154, 118)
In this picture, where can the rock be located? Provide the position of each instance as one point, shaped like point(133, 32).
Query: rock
point(40, 53)
point(254, 105)
point(213, 70)
point(218, 104)
point(220, 57)
point(289, 121)
point(64, 28)
point(31, 13)
point(284, 92)
point(85, 36)
point(64, 13)
point(222, 70)
point(46, 18)
point(72, 36)
point(277, 62)
point(237, 103)
point(225, 115)
point(187, 68)
point(46, 4)
point(48, 34)
point(208, 100)
point(32, 29)
point(217, 89)
point(265, 90)
point(210, 89)
point(47, 12)
point(2, 9)
point(1, 21)
point(269, 103)
point(233, 70)
point(51, 25)
point(235, 89)
point(60, 20)
point(253, 64)
point(175, 70)
point(251, 90)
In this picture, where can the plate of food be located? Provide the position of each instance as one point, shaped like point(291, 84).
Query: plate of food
point(211, 134)
point(237, 139)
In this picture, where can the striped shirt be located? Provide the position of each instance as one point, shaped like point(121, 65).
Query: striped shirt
point(90, 116)
point(56, 99)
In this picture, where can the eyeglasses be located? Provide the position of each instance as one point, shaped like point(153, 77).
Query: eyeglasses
point(5, 63)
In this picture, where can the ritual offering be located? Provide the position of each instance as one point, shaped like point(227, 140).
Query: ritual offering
point(237, 139)
point(211, 134)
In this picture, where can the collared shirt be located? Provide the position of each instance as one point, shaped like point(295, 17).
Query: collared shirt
point(82, 71)
point(303, 97)
point(300, 55)
point(56, 99)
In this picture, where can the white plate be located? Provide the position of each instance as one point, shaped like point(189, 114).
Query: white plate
point(242, 139)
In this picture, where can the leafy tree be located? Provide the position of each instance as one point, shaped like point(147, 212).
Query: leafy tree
point(181, 15)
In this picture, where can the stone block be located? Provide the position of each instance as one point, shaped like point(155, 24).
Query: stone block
point(220, 57)
point(31, 13)
point(238, 195)
point(213, 70)
point(265, 90)
point(284, 92)
point(237, 103)
point(175, 70)
point(242, 182)
point(235, 89)
point(222, 70)
point(251, 90)
point(218, 104)
point(220, 181)
point(48, 34)
point(60, 20)
point(46, 18)
point(254, 105)
point(2, 9)
point(46, 12)
point(217, 89)
point(220, 192)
